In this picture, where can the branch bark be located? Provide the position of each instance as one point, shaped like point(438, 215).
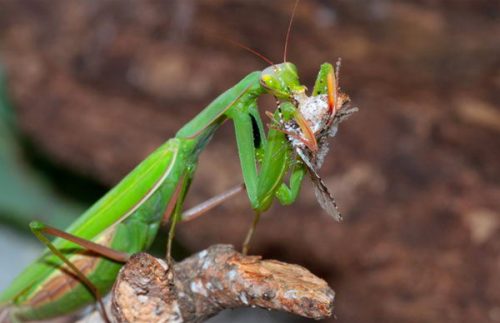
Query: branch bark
point(148, 290)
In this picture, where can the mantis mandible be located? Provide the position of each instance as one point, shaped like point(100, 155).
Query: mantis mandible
point(68, 276)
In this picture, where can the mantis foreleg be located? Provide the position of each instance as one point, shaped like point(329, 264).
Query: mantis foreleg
point(288, 194)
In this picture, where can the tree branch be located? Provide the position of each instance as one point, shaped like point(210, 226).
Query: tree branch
point(213, 280)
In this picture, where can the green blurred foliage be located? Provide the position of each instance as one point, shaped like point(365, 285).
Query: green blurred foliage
point(25, 193)
point(30, 187)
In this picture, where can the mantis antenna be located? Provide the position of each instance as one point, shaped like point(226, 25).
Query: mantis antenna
point(289, 29)
point(251, 50)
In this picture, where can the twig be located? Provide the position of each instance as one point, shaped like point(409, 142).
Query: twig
point(213, 280)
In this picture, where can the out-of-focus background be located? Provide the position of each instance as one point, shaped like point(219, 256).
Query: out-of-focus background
point(92, 87)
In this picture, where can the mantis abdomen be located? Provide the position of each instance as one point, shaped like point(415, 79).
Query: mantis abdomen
point(126, 219)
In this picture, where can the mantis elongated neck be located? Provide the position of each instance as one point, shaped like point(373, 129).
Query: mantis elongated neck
point(243, 94)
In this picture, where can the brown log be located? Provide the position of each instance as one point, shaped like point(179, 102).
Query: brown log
point(147, 290)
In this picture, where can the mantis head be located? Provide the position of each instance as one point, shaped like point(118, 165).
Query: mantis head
point(282, 81)
point(311, 119)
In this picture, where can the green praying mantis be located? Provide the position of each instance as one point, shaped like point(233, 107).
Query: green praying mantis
point(82, 263)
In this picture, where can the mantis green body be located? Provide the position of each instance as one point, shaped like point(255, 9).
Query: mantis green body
point(127, 218)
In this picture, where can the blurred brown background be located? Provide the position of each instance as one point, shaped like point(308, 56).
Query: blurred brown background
point(97, 85)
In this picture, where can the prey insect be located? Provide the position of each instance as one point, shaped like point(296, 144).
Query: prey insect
point(315, 119)
point(82, 262)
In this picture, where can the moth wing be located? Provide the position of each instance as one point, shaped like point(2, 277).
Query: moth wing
point(323, 195)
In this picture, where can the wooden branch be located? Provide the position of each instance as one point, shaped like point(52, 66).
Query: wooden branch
point(213, 280)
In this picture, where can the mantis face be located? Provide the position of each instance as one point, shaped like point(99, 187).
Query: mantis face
point(282, 81)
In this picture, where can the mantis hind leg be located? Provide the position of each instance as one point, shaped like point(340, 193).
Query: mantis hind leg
point(39, 230)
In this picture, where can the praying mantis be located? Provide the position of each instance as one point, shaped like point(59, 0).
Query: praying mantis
point(81, 264)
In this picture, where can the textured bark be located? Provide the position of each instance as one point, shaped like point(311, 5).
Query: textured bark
point(147, 290)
